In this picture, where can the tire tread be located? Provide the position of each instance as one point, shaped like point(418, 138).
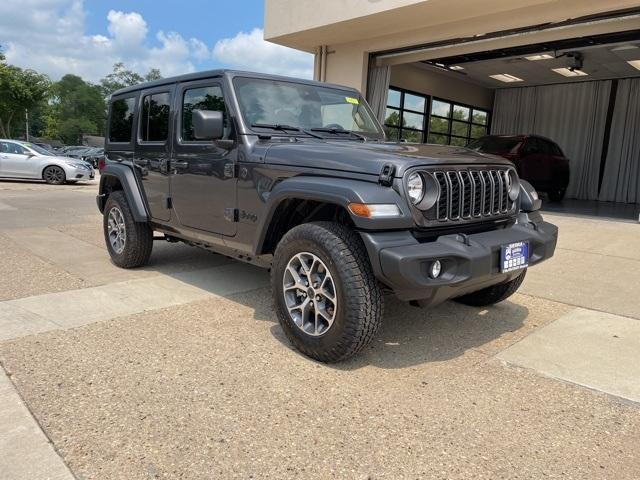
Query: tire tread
point(139, 243)
point(362, 297)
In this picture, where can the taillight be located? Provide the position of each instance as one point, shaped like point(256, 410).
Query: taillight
point(101, 163)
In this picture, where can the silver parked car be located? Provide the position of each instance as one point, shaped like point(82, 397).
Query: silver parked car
point(27, 160)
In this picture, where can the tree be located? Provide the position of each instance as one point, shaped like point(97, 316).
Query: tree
point(121, 78)
point(20, 90)
point(77, 108)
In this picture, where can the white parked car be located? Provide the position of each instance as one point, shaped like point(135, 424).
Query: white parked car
point(28, 160)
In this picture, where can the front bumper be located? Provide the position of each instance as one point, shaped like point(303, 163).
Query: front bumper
point(74, 173)
point(469, 262)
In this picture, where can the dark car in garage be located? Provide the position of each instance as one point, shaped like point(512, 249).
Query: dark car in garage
point(538, 160)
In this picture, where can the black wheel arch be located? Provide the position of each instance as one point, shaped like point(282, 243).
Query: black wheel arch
point(324, 199)
point(121, 177)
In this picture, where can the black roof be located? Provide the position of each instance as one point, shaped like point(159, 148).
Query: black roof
point(218, 73)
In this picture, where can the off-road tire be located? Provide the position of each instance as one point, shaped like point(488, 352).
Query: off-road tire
point(360, 304)
point(58, 179)
point(493, 294)
point(139, 236)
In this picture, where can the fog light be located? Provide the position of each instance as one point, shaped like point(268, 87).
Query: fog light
point(434, 269)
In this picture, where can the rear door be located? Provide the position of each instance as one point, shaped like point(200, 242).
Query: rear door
point(153, 149)
point(15, 160)
point(203, 181)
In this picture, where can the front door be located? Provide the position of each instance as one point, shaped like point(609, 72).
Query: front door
point(153, 149)
point(203, 184)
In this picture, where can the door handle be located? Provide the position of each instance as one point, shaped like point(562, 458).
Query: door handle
point(180, 165)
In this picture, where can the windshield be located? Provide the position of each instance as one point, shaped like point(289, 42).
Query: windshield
point(37, 148)
point(281, 103)
point(495, 144)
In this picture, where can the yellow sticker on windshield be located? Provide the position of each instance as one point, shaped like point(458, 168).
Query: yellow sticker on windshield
point(352, 100)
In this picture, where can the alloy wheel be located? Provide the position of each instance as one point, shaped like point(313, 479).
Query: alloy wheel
point(53, 175)
point(310, 294)
point(116, 230)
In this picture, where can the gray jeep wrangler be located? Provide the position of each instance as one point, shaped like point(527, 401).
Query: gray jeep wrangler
point(296, 176)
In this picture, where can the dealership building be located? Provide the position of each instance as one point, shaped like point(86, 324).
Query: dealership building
point(450, 71)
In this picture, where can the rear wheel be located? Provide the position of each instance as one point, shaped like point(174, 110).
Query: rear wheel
point(129, 242)
point(327, 299)
point(54, 175)
point(493, 294)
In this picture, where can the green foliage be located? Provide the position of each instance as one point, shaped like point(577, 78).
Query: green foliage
point(20, 90)
point(64, 110)
point(121, 78)
point(77, 108)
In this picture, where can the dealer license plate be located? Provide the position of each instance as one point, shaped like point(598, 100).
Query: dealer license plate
point(514, 256)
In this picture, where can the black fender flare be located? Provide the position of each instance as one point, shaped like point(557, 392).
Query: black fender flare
point(336, 191)
point(127, 179)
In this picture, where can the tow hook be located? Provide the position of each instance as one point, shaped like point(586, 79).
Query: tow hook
point(464, 238)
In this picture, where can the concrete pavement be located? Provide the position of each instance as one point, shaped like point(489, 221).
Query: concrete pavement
point(180, 369)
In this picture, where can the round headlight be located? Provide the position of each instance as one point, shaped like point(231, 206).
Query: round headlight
point(513, 185)
point(415, 187)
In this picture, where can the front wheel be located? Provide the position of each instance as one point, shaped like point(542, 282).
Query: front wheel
point(54, 175)
point(327, 299)
point(494, 294)
point(129, 242)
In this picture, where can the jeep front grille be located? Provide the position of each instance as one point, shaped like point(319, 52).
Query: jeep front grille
point(471, 193)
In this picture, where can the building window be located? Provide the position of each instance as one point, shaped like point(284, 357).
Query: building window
point(405, 117)
point(454, 124)
point(419, 118)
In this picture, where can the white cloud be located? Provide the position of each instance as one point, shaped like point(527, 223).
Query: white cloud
point(49, 36)
point(249, 51)
point(127, 28)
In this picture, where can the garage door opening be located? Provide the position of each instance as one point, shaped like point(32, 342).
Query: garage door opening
point(581, 93)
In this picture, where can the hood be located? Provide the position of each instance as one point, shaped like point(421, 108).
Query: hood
point(369, 157)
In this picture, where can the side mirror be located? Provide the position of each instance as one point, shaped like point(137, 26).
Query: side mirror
point(208, 124)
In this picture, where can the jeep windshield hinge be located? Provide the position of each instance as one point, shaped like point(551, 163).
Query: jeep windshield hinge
point(386, 175)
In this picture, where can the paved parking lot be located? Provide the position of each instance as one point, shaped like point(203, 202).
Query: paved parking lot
point(180, 370)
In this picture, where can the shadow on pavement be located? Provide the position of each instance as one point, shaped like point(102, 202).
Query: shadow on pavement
point(413, 336)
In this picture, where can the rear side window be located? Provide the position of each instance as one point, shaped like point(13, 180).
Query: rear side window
point(154, 120)
point(10, 147)
point(201, 98)
point(121, 120)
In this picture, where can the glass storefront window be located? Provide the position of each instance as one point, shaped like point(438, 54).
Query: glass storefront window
point(419, 118)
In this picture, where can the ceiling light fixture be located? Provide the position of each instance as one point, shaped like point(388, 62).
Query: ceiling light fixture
point(634, 63)
point(542, 56)
point(456, 67)
point(505, 77)
point(567, 72)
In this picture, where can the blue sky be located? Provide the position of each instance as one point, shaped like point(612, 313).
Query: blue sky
point(86, 37)
point(208, 20)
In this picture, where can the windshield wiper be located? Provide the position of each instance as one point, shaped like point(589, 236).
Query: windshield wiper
point(284, 128)
point(339, 130)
